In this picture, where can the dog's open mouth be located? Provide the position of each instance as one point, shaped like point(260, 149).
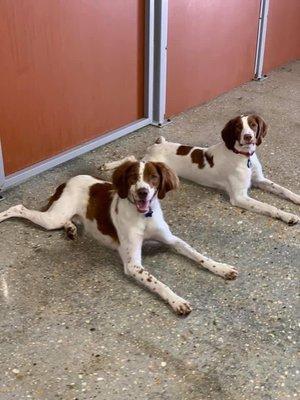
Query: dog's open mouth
point(142, 205)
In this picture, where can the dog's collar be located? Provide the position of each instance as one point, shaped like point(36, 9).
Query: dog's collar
point(244, 153)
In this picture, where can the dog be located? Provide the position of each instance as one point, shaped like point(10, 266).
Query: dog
point(231, 165)
point(121, 215)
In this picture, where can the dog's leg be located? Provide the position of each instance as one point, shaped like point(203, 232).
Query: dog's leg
point(263, 208)
point(48, 219)
point(71, 230)
point(259, 181)
point(224, 270)
point(132, 267)
point(272, 187)
point(115, 164)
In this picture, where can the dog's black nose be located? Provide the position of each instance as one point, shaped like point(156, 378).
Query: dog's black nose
point(142, 193)
point(248, 137)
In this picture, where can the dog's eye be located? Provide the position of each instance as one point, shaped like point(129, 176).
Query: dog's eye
point(154, 177)
point(253, 125)
point(133, 178)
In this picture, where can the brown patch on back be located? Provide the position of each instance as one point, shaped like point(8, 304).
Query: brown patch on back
point(197, 157)
point(98, 208)
point(183, 150)
point(209, 158)
point(54, 197)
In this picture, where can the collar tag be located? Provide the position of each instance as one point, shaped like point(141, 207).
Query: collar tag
point(249, 163)
point(149, 213)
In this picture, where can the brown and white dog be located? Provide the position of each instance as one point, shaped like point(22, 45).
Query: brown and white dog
point(121, 215)
point(231, 165)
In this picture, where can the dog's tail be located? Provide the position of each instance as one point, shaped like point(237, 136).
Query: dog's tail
point(160, 140)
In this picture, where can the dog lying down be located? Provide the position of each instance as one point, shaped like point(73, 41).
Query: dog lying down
point(121, 215)
point(231, 165)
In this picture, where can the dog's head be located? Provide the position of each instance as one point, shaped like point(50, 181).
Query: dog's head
point(140, 182)
point(245, 131)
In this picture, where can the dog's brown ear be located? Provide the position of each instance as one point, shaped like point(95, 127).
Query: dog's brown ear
point(229, 133)
point(261, 130)
point(168, 179)
point(120, 179)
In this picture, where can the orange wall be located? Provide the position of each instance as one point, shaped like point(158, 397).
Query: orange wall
point(70, 70)
point(283, 33)
point(211, 49)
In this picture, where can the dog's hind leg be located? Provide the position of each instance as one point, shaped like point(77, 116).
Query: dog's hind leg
point(59, 212)
point(49, 219)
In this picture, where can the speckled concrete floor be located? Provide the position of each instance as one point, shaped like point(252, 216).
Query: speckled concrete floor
point(74, 327)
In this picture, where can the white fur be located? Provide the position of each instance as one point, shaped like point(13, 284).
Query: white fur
point(230, 173)
point(132, 228)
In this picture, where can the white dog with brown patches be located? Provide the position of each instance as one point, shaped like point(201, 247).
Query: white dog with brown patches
point(122, 215)
point(231, 165)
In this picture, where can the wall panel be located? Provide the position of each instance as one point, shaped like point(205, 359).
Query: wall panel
point(70, 70)
point(211, 49)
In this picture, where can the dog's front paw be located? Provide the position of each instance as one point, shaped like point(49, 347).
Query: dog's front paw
point(181, 306)
point(227, 272)
point(293, 220)
point(104, 167)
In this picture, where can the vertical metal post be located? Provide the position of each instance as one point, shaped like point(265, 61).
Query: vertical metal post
point(160, 62)
point(2, 173)
point(261, 40)
point(149, 58)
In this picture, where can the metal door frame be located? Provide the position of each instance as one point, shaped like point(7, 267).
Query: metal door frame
point(261, 40)
point(154, 20)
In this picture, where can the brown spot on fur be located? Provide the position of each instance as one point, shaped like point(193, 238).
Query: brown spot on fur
point(98, 208)
point(183, 150)
point(149, 279)
point(209, 158)
point(151, 175)
point(54, 197)
point(232, 132)
point(258, 125)
point(161, 176)
point(124, 176)
point(197, 157)
point(141, 270)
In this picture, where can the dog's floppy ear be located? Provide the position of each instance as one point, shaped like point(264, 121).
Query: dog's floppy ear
point(168, 179)
point(261, 130)
point(229, 134)
point(120, 179)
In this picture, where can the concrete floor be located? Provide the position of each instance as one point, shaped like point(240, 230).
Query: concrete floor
point(74, 327)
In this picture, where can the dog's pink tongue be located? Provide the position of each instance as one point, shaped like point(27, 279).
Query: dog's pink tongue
point(142, 206)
